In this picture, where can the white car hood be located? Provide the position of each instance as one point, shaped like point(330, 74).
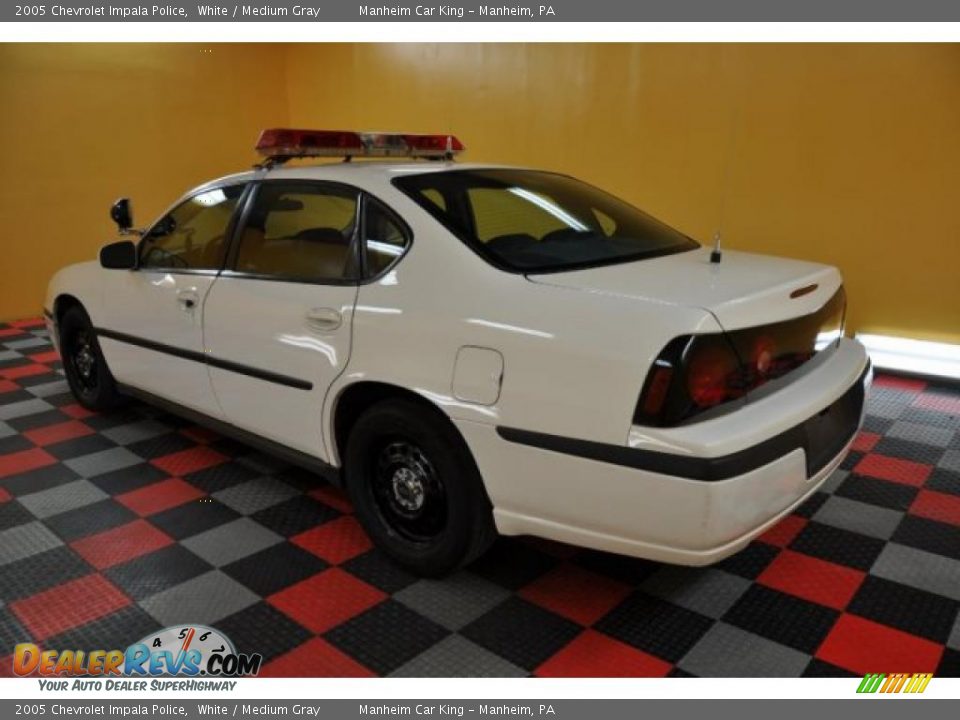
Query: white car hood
point(742, 290)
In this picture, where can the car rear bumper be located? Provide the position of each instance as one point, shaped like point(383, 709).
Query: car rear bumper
point(691, 495)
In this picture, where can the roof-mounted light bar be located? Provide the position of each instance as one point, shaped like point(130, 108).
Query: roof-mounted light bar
point(281, 144)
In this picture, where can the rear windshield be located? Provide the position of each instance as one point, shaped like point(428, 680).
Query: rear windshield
point(531, 222)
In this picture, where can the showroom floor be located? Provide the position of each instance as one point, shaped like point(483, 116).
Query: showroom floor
point(113, 526)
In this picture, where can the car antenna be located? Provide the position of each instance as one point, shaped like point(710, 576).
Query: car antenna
point(717, 254)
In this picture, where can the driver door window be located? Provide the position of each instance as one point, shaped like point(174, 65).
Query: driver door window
point(193, 236)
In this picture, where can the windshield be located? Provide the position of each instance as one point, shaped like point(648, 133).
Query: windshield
point(531, 222)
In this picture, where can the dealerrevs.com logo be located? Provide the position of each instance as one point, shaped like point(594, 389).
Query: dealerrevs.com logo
point(178, 651)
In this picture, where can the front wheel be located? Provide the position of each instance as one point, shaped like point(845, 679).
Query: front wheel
point(86, 369)
point(416, 488)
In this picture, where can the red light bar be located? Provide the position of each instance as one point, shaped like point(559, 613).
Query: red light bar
point(280, 144)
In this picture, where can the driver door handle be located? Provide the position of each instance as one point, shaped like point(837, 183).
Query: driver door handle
point(324, 319)
point(188, 299)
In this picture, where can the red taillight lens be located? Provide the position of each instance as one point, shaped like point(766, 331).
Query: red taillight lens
point(708, 373)
point(657, 391)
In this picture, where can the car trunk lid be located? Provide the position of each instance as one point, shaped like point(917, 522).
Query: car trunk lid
point(742, 290)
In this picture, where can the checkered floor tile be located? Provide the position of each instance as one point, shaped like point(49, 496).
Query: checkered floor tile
point(112, 526)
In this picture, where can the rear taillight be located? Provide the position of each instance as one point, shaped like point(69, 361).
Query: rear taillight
point(694, 373)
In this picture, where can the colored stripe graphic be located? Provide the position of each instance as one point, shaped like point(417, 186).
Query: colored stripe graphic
point(913, 683)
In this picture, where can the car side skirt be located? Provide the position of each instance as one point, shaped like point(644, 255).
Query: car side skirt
point(329, 473)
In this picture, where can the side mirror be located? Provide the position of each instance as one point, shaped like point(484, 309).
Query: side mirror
point(122, 214)
point(120, 255)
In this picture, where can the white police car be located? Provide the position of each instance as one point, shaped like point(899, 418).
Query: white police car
point(474, 349)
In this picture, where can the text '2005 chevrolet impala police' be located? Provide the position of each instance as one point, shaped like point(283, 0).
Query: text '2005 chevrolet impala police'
point(474, 349)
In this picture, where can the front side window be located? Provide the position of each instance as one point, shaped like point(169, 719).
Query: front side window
point(192, 236)
point(300, 232)
point(384, 238)
point(528, 221)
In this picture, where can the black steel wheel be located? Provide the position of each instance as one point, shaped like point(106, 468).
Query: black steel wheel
point(86, 369)
point(416, 488)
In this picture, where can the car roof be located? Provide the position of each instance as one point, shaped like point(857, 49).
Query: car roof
point(355, 173)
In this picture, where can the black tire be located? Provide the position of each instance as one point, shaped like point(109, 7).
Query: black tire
point(401, 453)
point(87, 373)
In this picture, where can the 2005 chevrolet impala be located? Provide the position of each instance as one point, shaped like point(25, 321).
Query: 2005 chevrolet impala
point(473, 349)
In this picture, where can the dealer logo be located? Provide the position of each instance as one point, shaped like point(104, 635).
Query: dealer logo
point(176, 651)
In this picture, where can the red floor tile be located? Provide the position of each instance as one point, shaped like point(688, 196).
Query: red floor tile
point(336, 541)
point(334, 497)
point(190, 460)
point(10, 332)
point(862, 646)
point(562, 591)
point(865, 441)
point(900, 383)
point(159, 496)
point(68, 605)
point(315, 658)
point(8, 386)
point(949, 404)
point(59, 432)
point(120, 544)
point(937, 506)
point(22, 371)
point(5, 496)
point(24, 461)
point(200, 435)
point(893, 469)
point(27, 323)
point(77, 411)
point(812, 579)
point(45, 357)
point(783, 533)
point(594, 655)
point(326, 599)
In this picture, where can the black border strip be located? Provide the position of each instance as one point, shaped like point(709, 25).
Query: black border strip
point(206, 359)
point(696, 468)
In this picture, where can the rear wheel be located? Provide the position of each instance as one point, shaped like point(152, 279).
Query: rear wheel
point(87, 373)
point(416, 488)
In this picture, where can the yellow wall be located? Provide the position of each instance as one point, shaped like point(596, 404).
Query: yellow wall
point(81, 125)
point(849, 154)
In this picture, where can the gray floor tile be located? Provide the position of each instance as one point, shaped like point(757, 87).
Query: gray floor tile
point(455, 656)
point(864, 518)
point(24, 408)
point(26, 343)
point(234, 540)
point(135, 431)
point(834, 481)
point(915, 432)
point(57, 387)
point(254, 495)
point(709, 592)
point(103, 462)
point(6, 430)
point(916, 568)
point(62, 498)
point(950, 461)
point(954, 640)
point(22, 541)
point(726, 651)
point(205, 599)
point(454, 601)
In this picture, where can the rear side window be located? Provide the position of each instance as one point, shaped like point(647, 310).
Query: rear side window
point(192, 236)
point(385, 238)
point(528, 221)
point(300, 232)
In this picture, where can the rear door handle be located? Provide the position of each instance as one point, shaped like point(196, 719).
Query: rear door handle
point(324, 319)
point(188, 299)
